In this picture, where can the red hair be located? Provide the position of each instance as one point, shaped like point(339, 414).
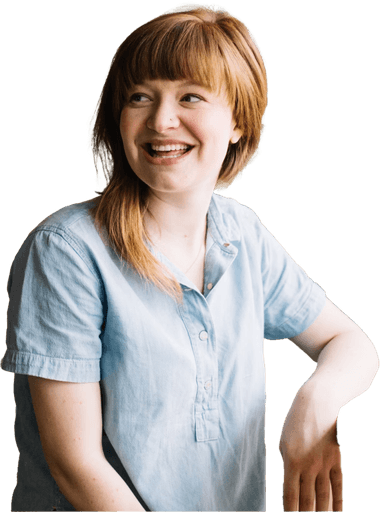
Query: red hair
point(208, 47)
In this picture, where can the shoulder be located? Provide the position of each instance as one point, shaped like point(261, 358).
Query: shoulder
point(69, 219)
point(67, 234)
point(242, 225)
point(237, 218)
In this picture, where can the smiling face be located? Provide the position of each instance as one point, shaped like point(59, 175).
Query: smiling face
point(176, 135)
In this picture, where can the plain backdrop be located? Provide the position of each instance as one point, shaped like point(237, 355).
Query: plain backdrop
point(313, 183)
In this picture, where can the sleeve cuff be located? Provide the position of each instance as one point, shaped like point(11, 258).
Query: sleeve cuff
point(68, 370)
point(304, 316)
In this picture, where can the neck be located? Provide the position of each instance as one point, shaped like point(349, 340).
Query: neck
point(179, 221)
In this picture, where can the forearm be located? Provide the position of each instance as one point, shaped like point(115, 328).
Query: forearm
point(346, 367)
point(95, 485)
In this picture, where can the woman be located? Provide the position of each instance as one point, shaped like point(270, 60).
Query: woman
point(163, 292)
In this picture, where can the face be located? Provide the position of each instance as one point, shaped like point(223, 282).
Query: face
point(176, 135)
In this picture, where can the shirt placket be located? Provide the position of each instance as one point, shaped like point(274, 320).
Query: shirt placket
point(197, 318)
point(206, 404)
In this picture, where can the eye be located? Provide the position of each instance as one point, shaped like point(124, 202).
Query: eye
point(138, 98)
point(191, 98)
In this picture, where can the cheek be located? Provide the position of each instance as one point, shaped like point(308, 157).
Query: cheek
point(124, 119)
point(130, 149)
point(217, 129)
point(125, 128)
point(129, 127)
point(218, 140)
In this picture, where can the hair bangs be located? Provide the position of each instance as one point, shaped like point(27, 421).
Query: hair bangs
point(181, 51)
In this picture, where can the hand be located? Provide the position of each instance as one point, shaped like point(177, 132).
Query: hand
point(312, 461)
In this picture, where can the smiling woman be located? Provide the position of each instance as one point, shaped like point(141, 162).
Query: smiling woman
point(136, 319)
point(214, 55)
point(203, 127)
point(177, 148)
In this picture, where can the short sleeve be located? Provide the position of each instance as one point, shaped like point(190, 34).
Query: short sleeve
point(55, 313)
point(292, 301)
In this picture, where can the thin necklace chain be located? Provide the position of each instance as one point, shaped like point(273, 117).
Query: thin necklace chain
point(191, 266)
point(200, 249)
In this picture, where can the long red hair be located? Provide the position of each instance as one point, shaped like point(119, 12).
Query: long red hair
point(209, 47)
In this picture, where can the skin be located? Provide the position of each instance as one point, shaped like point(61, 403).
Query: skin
point(69, 421)
point(346, 363)
point(180, 193)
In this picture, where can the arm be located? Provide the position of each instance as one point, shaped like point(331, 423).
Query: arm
point(346, 359)
point(347, 363)
point(70, 424)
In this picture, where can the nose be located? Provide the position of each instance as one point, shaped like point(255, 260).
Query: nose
point(163, 117)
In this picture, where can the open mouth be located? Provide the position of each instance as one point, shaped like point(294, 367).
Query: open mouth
point(167, 150)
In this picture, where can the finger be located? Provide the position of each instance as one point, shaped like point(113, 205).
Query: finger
point(307, 492)
point(336, 478)
point(289, 499)
point(291, 490)
point(322, 492)
point(330, 500)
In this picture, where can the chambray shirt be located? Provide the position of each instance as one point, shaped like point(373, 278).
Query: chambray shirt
point(183, 385)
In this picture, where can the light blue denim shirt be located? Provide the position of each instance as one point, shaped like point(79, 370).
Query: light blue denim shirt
point(183, 386)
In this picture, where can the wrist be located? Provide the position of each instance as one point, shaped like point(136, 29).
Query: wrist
point(318, 396)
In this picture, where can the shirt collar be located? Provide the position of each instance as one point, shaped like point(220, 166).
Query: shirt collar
point(222, 229)
point(222, 225)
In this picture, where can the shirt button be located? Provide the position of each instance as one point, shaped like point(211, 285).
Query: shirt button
point(203, 335)
point(209, 286)
point(226, 244)
point(208, 384)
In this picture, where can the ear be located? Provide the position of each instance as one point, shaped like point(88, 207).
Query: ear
point(236, 134)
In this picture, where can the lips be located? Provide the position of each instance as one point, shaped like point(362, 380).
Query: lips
point(166, 142)
point(166, 152)
point(167, 149)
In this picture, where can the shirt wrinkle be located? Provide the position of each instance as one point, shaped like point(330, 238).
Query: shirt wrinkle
point(287, 320)
point(183, 385)
point(70, 240)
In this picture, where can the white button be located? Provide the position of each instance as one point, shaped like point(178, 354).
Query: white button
point(208, 384)
point(203, 335)
point(209, 286)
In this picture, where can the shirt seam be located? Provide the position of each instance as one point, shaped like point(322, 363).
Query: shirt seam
point(298, 310)
point(70, 240)
point(44, 356)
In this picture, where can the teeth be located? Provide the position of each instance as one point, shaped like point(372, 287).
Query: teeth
point(169, 147)
point(170, 156)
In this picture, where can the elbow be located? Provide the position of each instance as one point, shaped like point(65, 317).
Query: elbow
point(376, 362)
point(371, 358)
